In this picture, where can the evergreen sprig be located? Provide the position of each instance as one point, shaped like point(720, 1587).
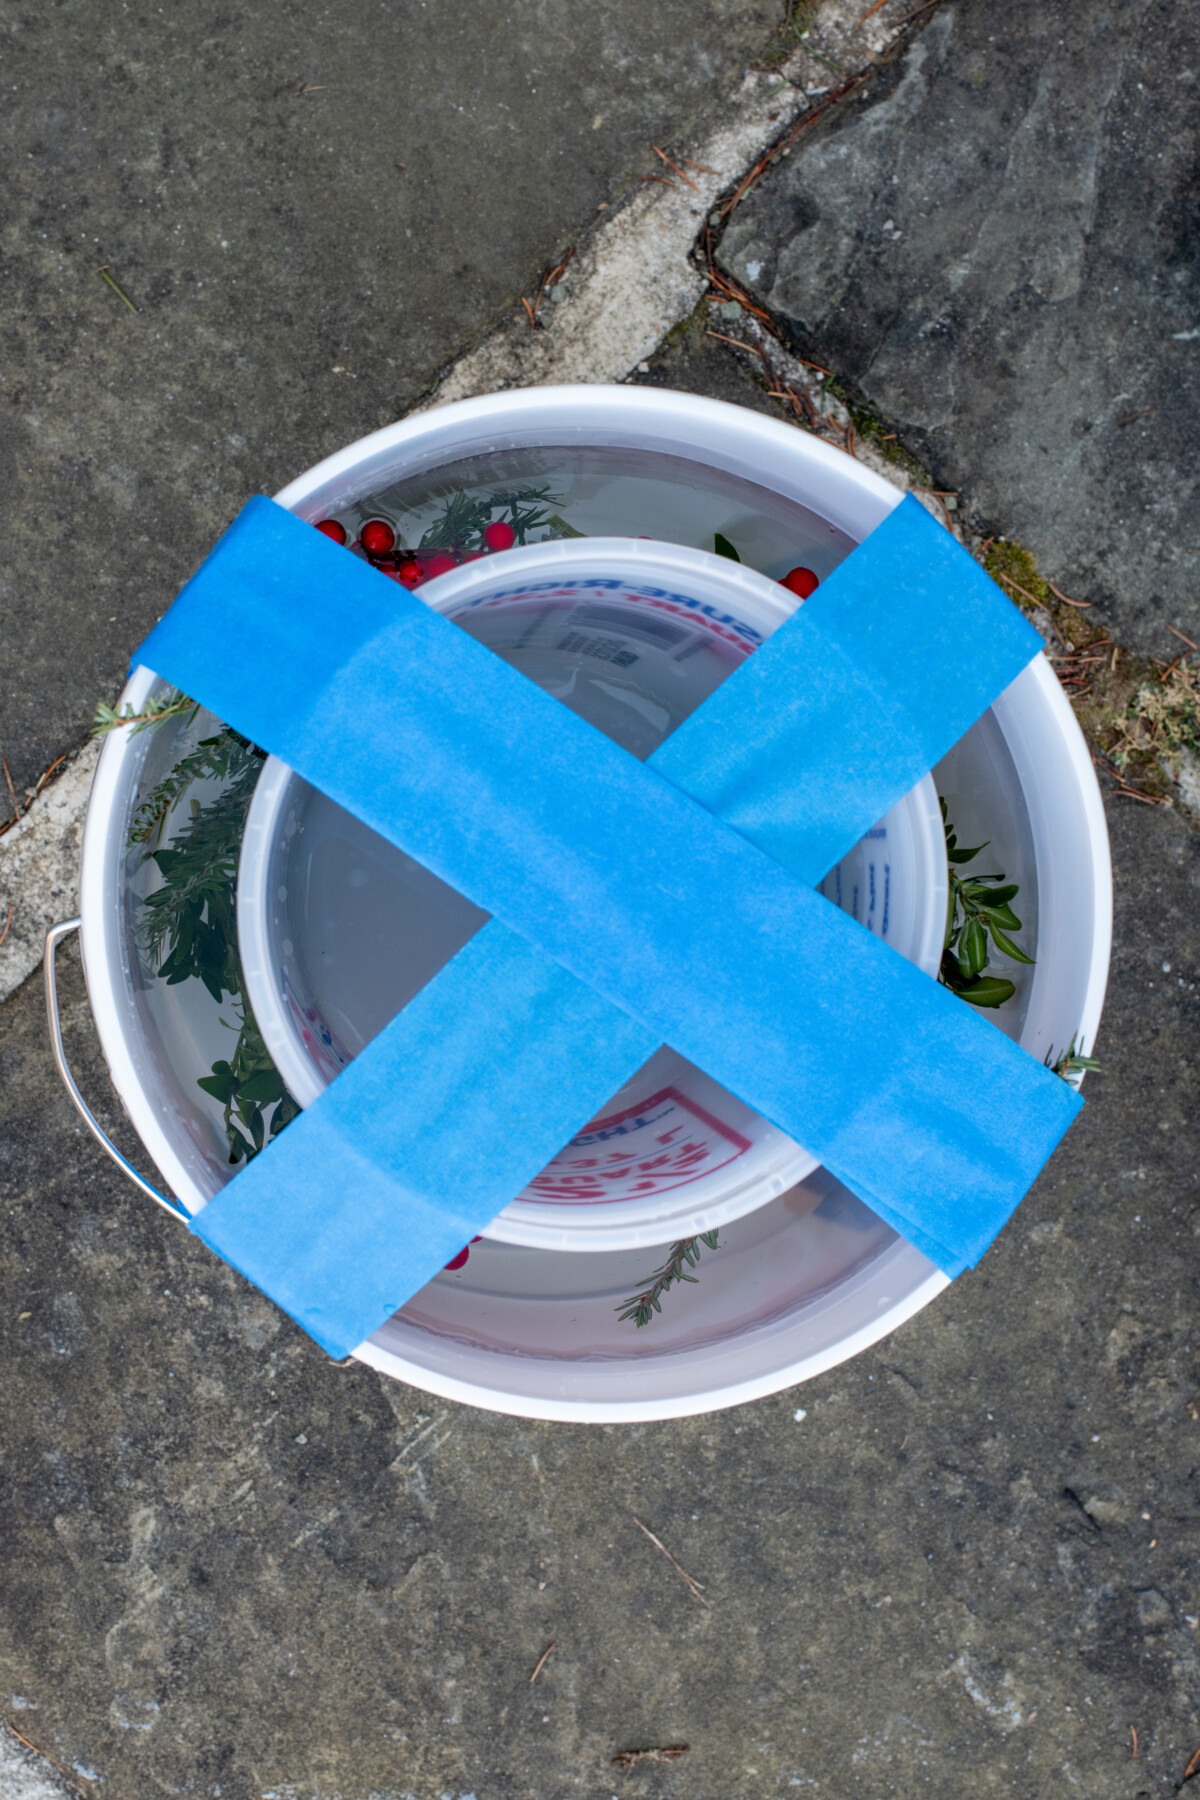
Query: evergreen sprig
point(463, 518)
point(979, 909)
point(1070, 1062)
point(158, 707)
point(685, 1254)
point(188, 926)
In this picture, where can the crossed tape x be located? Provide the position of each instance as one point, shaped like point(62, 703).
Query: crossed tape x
point(632, 904)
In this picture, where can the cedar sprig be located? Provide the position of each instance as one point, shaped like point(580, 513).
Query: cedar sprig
point(685, 1254)
point(188, 926)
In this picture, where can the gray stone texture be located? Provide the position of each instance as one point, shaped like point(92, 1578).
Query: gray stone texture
point(995, 246)
point(969, 1568)
point(237, 170)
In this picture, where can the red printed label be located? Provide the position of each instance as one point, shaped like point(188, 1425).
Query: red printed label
point(664, 1143)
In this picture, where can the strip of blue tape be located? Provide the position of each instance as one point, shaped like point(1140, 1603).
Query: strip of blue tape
point(811, 1020)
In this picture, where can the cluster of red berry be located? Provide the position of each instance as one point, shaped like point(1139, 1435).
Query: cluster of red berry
point(413, 567)
point(377, 540)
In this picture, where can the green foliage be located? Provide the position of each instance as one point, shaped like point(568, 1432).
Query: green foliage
point(1070, 1062)
point(685, 1254)
point(159, 707)
point(188, 927)
point(979, 914)
point(213, 759)
point(461, 524)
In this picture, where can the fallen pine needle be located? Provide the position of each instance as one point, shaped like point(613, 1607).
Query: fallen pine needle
point(703, 167)
point(870, 13)
point(665, 179)
point(739, 343)
point(696, 1588)
point(625, 1759)
point(1186, 640)
point(1133, 1735)
point(1193, 1767)
point(676, 168)
point(12, 792)
point(1065, 598)
point(116, 287)
point(542, 1660)
point(7, 923)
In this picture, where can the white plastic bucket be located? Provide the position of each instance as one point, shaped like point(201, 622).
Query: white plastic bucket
point(338, 929)
point(807, 1280)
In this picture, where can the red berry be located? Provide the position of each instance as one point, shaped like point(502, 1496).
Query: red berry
point(333, 530)
point(499, 535)
point(410, 573)
point(457, 1262)
point(377, 537)
point(801, 582)
point(441, 564)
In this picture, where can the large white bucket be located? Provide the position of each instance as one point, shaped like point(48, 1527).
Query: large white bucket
point(811, 1277)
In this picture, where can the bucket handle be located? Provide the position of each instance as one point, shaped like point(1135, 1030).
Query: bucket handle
point(54, 937)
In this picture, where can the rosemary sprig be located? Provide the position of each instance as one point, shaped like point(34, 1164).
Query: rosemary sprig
point(1070, 1062)
point(979, 909)
point(685, 1254)
point(157, 708)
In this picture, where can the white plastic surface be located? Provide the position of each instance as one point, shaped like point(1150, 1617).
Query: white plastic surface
point(811, 1278)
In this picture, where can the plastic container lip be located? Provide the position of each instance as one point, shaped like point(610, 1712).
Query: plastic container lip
point(732, 595)
point(816, 1330)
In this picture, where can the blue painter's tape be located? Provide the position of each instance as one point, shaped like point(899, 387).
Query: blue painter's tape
point(704, 940)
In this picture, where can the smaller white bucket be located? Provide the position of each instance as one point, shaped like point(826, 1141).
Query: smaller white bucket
point(339, 929)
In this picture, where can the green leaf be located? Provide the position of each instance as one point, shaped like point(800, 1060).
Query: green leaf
point(1000, 915)
point(964, 856)
point(724, 547)
point(974, 947)
point(221, 1087)
point(261, 1088)
point(989, 991)
point(1009, 948)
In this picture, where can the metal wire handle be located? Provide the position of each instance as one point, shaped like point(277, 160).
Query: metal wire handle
point(54, 937)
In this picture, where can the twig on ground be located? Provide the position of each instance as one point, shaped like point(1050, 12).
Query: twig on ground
point(12, 792)
point(696, 1588)
point(7, 923)
point(542, 1661)
point(661, 1753)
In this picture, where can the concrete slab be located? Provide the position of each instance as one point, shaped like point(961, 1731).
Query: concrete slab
point(965, 1560)
point(995, 248)
point(313, 209)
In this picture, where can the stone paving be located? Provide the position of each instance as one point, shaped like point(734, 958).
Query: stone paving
point(963, 1562)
